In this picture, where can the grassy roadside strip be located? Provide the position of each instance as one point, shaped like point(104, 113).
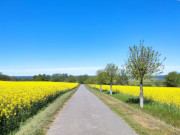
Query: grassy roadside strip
point(39, 124)
point(141, 122)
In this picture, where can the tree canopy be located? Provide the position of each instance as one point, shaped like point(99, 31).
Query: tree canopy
point(143, 62)
point(111, 70)
point(172, 79)
point(101, 76)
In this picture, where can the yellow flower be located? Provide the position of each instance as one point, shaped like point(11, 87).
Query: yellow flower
point(14, 96)
point(167, 95)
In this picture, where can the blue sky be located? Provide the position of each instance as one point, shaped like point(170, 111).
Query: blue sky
point(78, 37)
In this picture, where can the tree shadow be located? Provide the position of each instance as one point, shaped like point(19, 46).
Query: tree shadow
point(108, 92)
point(136, 100)
point(114, 92)
point(104, 90)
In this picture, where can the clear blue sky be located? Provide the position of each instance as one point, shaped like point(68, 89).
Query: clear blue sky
point(80, 36)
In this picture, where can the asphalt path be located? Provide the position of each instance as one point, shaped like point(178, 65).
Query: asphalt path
point(85, 114)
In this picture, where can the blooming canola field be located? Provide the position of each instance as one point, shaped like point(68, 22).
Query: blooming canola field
point(19, 97)
point(163, 95)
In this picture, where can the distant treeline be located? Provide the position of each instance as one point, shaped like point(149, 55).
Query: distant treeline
point(43, 77)
point(59, 78)
point(7, 78)
point(172, 79)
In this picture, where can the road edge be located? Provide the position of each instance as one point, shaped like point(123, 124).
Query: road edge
point(124, 111)
point(40, 123)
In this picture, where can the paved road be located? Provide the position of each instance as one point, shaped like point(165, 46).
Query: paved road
point(85, 114)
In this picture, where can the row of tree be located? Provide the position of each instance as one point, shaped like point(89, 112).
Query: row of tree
point(142, 63)
point(7, 78)
point(43, 77)
point(61, 78)
point(121, 78)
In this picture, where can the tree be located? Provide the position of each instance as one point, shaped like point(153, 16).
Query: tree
point(111, 70)
point(46, 77)
point(71, 79)
point(101, 77)
point(34, 77)
point(55, 78)
point(59, 77)
point(82, 78)
point(122, 78)
point(63, 77)
point(39, 78)
point(172, 79)
point(4, 77)
point(90, 80)
point(143, 62)
point(13, 78)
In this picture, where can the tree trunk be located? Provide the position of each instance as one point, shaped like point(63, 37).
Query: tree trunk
point(111, 89)
point(141, 93)
point(100, 87)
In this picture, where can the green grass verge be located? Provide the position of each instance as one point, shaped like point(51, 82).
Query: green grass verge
point(164, 112)
point(143, 121)
point(39, 124)
point(168, 114)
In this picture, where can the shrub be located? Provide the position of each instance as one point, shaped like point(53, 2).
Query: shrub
point(172, 79)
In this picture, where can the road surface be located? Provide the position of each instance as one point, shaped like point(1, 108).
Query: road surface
point(85, 114)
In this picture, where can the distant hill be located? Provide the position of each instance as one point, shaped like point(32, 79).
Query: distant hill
point(22, 77)
point(160, 77)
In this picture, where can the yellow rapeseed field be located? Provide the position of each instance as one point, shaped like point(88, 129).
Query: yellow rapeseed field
point(17, 96)
point(167, 95)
